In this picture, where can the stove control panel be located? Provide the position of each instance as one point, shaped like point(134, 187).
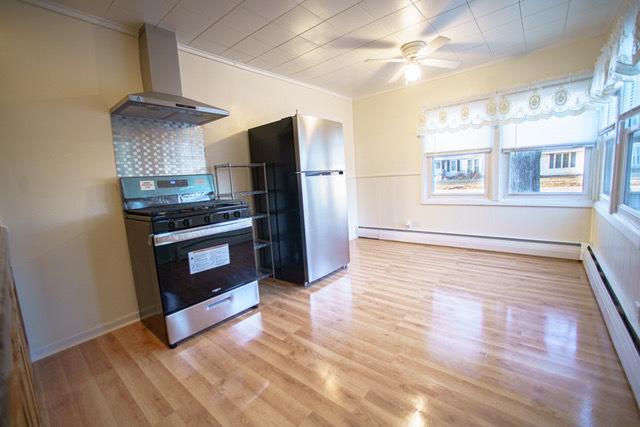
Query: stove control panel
point(198, 220)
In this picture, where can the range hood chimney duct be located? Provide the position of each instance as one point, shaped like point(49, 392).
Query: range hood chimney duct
point(162, 97)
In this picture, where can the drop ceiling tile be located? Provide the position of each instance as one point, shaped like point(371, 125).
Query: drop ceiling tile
point(92, 7)
point(372, 31)
point(208, 46)
point(498, 18)
point(548, 33)
point(272, 35)
point(125, 17)
point(271, 9)
point(325, 9)
point(433, 8)
point(464, 34)
point(210, 9)
point(322, 33)
point(400, 19)
point(475, 54)
point(251, 47)
point(529, 7)
point(151, 11)
point(223, 35)
point(504, 35)
point(297, 20)
point(451, 18)
point(485, 7)
point(185, 21)
point(243, 20)
point(590, 4)
point(236, 55)
point(288, 51)
point(380, 8)
point(261, 63)
point(557, 13)
point(419, 31)
point(185, 38)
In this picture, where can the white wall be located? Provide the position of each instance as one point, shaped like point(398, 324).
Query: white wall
point(388, 153)
point(58, 189)
point(619, 256)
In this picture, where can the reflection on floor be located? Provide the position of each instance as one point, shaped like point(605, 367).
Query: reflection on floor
point(409, 335)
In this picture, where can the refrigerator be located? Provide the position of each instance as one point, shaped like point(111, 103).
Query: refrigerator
point(307, 195)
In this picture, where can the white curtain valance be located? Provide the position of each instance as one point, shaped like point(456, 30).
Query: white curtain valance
point(619, 60)
point(542, 101)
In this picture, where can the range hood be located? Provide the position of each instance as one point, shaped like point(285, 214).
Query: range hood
point(162, 97)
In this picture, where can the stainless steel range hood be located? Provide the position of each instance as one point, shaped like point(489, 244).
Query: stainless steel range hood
point(162, 97)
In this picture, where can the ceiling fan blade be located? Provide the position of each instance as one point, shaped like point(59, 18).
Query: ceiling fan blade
point(440, 63)
point(434, 45)
point(397, 75)
point(386, 59)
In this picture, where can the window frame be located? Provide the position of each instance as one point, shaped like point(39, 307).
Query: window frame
point(603, 139)
point(629, 214)
point(568, 199)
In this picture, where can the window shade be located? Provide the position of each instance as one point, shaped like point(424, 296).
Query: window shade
point(580, 130)
point(479, 139)
point(630, 95)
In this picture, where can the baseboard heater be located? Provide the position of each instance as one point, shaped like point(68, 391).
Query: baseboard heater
point(566, 250)
point(616, 302)
point(624, 337)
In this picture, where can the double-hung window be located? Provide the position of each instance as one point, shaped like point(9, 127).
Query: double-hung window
point(548, 155)
point(631, 167)
point(456, 162)
point(608, 156)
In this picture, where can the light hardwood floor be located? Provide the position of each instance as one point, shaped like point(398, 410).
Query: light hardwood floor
point(409, 335)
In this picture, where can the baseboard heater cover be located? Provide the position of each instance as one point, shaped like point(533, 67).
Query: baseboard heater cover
point(624, 337)
point(565, 250)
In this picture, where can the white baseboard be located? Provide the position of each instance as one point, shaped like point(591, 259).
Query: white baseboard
point(622, 341)
point(496, 244)
point(89, 334)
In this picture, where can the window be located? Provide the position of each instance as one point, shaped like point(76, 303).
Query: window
point(607, 166)
point(456, 161)
point(459, 174)
point(631, 195)
point(548, 155)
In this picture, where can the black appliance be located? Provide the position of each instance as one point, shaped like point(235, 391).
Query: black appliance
point(193, 256)
point(305, 162)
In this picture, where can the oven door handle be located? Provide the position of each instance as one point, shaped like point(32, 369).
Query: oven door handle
point(194, 233)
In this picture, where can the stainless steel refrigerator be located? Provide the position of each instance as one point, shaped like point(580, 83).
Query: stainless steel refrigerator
point(307, 195)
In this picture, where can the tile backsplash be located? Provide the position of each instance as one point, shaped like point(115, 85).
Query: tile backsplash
point(145, 147)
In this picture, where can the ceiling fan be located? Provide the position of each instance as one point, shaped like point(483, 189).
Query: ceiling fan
point(415, 53)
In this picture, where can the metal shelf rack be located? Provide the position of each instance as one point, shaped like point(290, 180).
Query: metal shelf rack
point(259, 244)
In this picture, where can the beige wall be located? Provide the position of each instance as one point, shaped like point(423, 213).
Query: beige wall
point(386, 144)
point(58, 192)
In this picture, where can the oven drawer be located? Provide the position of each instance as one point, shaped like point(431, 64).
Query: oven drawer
point(184, 323)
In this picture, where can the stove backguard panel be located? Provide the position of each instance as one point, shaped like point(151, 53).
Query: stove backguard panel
point(148, 147)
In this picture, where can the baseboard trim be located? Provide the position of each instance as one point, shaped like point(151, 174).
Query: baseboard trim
point(620, 336)
point(486, 243)
point(89, 334)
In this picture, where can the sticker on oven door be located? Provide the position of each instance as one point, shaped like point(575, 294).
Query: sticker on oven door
point(206, 259)
point(147, 185)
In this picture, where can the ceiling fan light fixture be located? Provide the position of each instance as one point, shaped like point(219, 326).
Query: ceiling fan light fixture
point(412, 72)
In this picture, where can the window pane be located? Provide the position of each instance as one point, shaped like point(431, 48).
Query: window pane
point(632, 178)
point(607, 174)
point(459, 174)
point(529, 171)
point(550, 161)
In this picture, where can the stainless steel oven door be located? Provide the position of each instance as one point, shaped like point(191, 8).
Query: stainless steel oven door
point(200, 263)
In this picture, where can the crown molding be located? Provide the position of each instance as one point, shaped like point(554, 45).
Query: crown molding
point(111, 25)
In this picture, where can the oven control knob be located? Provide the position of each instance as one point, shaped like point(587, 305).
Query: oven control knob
point(236, 214)
point(171, 224)
point(207, 219)
point(186, 222)
point(226, 215)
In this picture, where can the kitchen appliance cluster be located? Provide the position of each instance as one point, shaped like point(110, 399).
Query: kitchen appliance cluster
point(193, 253)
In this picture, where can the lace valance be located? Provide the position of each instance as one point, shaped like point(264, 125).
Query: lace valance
point(536, 102)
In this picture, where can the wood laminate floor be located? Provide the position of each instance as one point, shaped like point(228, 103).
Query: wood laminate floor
point(409, 335)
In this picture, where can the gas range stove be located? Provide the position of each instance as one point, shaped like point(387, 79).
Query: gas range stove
point(177, 203)
point(193, 256)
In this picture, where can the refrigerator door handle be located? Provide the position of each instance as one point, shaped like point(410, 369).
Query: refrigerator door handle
point(327, 172)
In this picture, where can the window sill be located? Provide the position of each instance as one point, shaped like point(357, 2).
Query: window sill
point(528, 202)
